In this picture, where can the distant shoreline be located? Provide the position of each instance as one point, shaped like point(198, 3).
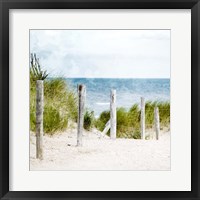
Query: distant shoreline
point(128, 91)
point(103, 78)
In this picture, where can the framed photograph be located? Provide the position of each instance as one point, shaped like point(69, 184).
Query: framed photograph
point(99, 99)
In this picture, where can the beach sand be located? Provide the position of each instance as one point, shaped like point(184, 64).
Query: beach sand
point(61, 153)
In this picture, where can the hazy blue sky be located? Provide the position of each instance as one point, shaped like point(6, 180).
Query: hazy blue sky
point(103, 53)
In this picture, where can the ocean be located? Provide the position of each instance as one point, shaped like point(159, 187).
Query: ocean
point(128, 91)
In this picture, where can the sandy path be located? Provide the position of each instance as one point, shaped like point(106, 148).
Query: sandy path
point(61, 153)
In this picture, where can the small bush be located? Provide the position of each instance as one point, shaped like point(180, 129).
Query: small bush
point(102, 120)
point(36, 73)
point(88, 120)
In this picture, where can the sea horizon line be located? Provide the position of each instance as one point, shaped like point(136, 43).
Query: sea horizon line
point(105, 77)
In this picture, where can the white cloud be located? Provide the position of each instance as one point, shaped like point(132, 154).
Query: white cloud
point(103, 53)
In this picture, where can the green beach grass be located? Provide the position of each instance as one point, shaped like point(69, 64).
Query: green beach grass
point(128, 121)
point(60, 102)
point(60, 105)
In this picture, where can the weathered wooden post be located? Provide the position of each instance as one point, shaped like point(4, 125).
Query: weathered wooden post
point(81, 108)
point(39, 118)
point(106, 129)
point(142, 118)
point(157, 122)
point(113, 115)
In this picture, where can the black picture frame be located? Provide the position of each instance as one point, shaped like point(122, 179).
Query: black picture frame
point(5, 5)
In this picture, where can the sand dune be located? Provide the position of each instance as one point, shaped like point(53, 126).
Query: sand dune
point(61, 153)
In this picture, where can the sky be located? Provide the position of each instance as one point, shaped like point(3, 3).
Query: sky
point(103, 53)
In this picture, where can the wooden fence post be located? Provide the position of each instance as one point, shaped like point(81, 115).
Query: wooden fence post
point(81, 108)
point(113, 115)
point(142, 118)
point(106, 129)
point(39, 118)
point(157, 122)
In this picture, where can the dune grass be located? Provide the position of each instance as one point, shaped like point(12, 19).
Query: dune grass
point(128, 121)
point(89, 119)
point(60, 102)
point(60, 105)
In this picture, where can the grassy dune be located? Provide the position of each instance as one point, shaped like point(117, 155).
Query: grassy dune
point(60, 105)
point(128, 121)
